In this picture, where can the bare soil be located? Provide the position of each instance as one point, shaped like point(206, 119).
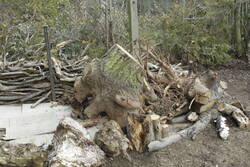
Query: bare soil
point(207, 150)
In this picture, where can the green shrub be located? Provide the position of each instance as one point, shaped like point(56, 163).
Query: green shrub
point(195, 40)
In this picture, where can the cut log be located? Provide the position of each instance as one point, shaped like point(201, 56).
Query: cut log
point(170, 129)
point(157, 126)
point(150, 127)
point(112, 140)
point(222, 127)
point(71, 146)
point(179, 119)
point(192, 117)
point(241, 119)
point(208, 106)
point(111, 95)
point(198, 88)
point(189, 132)
point(136, 132)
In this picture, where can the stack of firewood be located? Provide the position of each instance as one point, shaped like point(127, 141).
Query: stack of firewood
point(29, 82)
point(149, 104)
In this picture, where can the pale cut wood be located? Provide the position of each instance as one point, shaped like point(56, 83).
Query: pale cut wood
point(170, 129)
point(179, 119)
point(38, 140)
point(222, 127)
point(22, 121)
point(192, 117)
point(186, 133)
point(241, 119)
point(148, 124)
point(157, 126)
point(71, 147)
point(208, 106)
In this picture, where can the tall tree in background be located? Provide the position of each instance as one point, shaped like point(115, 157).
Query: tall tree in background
point(237, 22)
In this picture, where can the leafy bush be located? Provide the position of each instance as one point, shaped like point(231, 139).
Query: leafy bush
point(195, 39)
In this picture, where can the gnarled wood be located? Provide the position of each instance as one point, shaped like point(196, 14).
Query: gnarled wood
point(71, 146)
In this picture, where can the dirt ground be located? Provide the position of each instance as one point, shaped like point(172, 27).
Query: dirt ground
point(207, 150)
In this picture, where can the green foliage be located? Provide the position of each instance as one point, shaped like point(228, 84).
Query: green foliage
point(21, 27)
point(199, 39)
point(121, 66)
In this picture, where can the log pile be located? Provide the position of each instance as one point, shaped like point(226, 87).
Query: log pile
point(28, 82)
point(171, 103)
point(150, 102)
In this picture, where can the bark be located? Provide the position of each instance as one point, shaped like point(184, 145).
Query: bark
point(186, 133)
point(112, 140)
point(222, 127)
point(241, 119)
point(71, 146)
point(238, 39)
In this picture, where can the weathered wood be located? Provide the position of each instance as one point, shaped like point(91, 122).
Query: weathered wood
point(136, 132)
point(71, 146)
point(60, 73)
point(148, 124)
point(170, 129)
point(41, 100)
point(134, 26)
point(241, 119)
point(186, 133)
point(21, 155)
point(22, 121)
point(112, 140)
point(52, 82)
point(222, 127)
point(192, 116)
point(157, 126)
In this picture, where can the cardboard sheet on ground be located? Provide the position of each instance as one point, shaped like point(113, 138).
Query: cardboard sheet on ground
point(24, 124)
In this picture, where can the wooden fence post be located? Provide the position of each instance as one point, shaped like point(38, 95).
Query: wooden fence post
point(134, 26)
point(51, 72)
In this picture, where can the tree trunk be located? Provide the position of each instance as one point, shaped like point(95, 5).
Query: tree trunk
point(237, 20)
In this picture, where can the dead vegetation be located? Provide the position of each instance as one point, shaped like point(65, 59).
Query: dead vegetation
point(149, 103)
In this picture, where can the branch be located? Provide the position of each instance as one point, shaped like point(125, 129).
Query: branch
point(186, 133)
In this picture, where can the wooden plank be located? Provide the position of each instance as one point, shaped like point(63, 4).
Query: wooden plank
point(38, 140)
point(45, 107)
point(2, 132)
point(134, 26)
point(25, 123)
point(10, 111)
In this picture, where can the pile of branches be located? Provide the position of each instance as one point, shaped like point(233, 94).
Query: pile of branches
point(147, 102)
point(29, 82)
point(172, 103)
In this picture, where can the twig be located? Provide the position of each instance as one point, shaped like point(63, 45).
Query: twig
point(40, 100)
point(186, 133)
